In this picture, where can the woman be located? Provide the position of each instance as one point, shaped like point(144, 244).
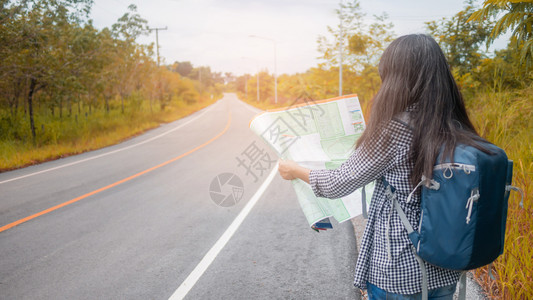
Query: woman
point(417, 110)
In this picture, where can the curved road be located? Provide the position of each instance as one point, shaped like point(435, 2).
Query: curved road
point(134, 220)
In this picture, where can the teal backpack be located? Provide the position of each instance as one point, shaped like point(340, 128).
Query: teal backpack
point(463, 211)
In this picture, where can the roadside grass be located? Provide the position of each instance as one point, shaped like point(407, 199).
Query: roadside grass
point(78, 133)
point(505, 119)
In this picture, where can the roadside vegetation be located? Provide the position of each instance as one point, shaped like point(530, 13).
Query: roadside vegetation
point(497, 88)
point(67, 87)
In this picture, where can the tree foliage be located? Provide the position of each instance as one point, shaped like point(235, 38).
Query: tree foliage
point(361, 46)
point(54, 62)
point(183, 68)
point(460, 40)
point(517, 17)
point(350, 23)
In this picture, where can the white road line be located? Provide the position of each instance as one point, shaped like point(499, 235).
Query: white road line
point(191, 280)
point(112, 152)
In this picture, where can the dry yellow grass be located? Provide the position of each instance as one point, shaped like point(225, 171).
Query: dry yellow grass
point(101, 130)
point(505, 119)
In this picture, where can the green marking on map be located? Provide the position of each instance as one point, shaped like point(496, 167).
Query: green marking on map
point(313, 211)
point(328, 121)
point(335, 208)
point(357, 121)
point(300, 120)
point(339, 148)
point(357, 116)
point(359, 127)
point(325, 205)
point(320, 128)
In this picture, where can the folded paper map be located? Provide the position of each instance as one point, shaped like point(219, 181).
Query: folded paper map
point(317, 135)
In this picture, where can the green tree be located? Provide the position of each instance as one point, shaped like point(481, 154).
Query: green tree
point(361, 46)
point(266, 87)
point(33, 53)
point(128, 55)
point(130, 26)
point(460, 40)
point(240, 84)
point(350, 23)
point(368, 47)
point(53, 60)
point(184, 68)
point(517, 16)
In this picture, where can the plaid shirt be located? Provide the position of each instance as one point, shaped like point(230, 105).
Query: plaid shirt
point(384, 233)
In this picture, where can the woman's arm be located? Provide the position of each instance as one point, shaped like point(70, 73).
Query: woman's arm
point(366, 164)
point(290, 170)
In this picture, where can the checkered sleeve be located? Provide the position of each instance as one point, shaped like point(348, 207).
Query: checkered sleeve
point(362, 167)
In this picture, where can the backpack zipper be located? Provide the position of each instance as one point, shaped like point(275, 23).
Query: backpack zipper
point(474, 196)
point(471, 168)
point(454, 166)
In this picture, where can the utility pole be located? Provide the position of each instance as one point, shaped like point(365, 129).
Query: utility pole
point(157, 40)
point(275, 64)
point(158, 73)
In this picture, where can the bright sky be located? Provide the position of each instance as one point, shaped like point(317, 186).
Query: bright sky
point(216, 33)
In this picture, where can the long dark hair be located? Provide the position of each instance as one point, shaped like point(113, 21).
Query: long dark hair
point(414, 72)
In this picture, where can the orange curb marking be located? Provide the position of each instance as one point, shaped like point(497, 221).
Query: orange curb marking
point(28, 218)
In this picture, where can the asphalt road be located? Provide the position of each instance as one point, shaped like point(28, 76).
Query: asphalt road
point(132, 221)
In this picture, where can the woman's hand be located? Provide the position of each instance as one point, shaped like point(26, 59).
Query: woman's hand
point(290, 170)
point(286, 169)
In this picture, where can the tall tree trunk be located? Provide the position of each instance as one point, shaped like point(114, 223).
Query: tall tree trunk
point(151, 100)
point(89, 103)
point(12, 105)
point(106, 99)
point(69, 105)
point(16, 105)
point(33, 84)
point(79, 104)
point(25, 103)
